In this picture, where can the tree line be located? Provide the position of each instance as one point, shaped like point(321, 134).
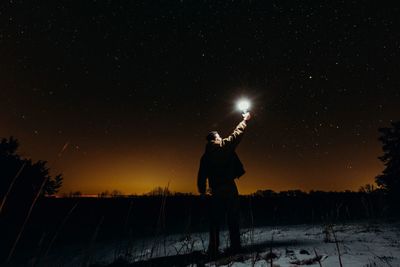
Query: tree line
point(21, 178)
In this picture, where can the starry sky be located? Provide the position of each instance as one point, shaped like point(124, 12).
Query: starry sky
point(129, 89)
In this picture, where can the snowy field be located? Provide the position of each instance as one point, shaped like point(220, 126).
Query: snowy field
point(358, 244)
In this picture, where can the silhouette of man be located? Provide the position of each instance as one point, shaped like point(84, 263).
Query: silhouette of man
point(221, 165)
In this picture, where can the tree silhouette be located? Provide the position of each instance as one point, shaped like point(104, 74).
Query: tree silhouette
point(22, 182)
point(21, 178)
point(389, 180)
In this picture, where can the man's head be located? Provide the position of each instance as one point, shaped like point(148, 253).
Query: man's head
point(213, 137)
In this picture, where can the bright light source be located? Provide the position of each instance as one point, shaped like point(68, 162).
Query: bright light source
point(243, 105)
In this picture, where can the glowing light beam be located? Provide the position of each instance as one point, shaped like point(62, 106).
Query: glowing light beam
point(243, 105)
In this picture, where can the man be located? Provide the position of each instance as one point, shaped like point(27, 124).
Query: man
point(221, 165)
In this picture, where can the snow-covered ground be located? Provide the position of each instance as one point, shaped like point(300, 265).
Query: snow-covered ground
point(359, 244)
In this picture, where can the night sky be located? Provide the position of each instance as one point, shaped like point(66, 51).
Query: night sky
point(133, 88)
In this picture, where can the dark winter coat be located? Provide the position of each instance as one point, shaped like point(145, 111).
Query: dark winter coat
point(220, 163)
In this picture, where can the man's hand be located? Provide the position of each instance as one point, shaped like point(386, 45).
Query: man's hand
point(246, 116)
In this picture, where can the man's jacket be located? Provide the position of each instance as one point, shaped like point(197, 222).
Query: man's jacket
point(220, 163)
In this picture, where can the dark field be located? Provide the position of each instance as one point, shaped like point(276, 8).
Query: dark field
point(57, 223)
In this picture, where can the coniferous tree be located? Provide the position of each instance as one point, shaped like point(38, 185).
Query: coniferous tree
point(389, 180)
point(20, 177)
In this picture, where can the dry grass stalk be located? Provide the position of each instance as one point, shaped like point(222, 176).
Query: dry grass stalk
point(337, 246)
point(59, 229)
point(3, 201)
point(26, 220)
point(88, 254)
point(160, 222)
point(318, 257)
point(31, 207)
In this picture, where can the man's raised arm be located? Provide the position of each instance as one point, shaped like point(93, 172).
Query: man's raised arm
point(234, 139)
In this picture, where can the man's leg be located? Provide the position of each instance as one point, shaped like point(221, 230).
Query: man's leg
point(213, 244)
point(233, 220)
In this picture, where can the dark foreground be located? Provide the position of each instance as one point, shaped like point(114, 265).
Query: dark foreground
point(82, 223)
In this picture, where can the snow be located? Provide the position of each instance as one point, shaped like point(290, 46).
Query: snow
point(359, 244)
